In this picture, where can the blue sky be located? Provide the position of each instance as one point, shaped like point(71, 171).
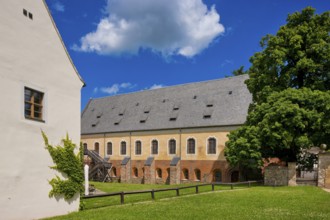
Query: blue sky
point(132, 45)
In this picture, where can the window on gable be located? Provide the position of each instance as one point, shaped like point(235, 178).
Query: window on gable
point(211, 146)
point(138, 146)
point(154, 147)
point(123, 148)
point(33, 104)
point(97, 147)
point(172, 146)
point(191, 146)
point(109, 148)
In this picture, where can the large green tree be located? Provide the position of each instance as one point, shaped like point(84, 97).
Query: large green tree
point(297, 56)
point(290, 82)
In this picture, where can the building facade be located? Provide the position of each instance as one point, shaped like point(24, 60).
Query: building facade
point(170, 135)
point(40, 89)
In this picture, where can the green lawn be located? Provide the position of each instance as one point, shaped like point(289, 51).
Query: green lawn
point(248, 203)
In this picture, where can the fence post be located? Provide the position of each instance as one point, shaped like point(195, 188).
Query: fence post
point(196, 188)
point(177, 192)
point(249, 184)
point(231, 186)
point(152, 194)
point(122, 198)
point(212, 186)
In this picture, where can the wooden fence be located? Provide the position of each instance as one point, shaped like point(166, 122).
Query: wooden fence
point(177, 189)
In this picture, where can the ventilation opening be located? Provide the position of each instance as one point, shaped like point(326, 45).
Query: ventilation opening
point(99, 116)
point(121, 114)
point(195, 97)
point(176, 108)
point(206, 116)
point(172, 119)
point(209, 105)
point(146, 112)
point(25, 13)
point(116, 123)
point(30, 15)
point(230, 92)
point(93, 125)
point(142, 121)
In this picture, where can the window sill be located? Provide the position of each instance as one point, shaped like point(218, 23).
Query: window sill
point(34, 119)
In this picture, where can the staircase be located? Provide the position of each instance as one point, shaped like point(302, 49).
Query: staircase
point(100, 171)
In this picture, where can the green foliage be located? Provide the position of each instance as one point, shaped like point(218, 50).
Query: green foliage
point(239, 71)
point(297, 56)
point(286, 117)
point(69, 164)
point(283, 126)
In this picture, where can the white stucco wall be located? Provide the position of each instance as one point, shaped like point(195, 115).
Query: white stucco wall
point(32, 55)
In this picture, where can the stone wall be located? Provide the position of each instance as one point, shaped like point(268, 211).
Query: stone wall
point(324, 170)
point(280, 175)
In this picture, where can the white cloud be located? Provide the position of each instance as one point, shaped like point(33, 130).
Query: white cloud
point(169, 27)
point(156, 86)
point(95, 90)
point(227, 62)
point(58, 6)
point(115, 88)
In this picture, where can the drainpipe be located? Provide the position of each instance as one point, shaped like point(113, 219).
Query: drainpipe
point(130, 155)
point(104, 147)
point(180, 132)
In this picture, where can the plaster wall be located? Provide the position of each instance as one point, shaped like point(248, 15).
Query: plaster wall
point(32, 55)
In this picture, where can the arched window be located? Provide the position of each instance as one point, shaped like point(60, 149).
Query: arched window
point(138, 148)
point(135, 172)
point(191, 146)
point(85, 146)
point(154, 147)
point(123, 148)
point(97, 147)
point(159, 173)
point(114, 171)
point(212, 146)
point(172, 146)
point(185, 173)
point(198, 174)
point(109, 148)
point(217, 176)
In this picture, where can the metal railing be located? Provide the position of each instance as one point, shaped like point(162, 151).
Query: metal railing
point(177, 189)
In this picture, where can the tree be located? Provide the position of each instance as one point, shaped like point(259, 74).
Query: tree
point(290, 82)
point(297, 56)
point(283, 126)
point(239, 71)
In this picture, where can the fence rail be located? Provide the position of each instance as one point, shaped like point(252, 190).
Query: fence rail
point(177, 189)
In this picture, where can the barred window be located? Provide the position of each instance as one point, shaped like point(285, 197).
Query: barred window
point(154, 147)
point(211, 147)
point(123, 148)
point(198, 174)
point(191, 146)
point(159, 174)
point(135, 172)
point(33, 104)
point(138, 148)
point(109, 148)
point(172, 146)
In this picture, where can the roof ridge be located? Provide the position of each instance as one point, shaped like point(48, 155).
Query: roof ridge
point(173, 86)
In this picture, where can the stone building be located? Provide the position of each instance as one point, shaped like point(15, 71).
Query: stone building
point(170, 135)
point(40, 90)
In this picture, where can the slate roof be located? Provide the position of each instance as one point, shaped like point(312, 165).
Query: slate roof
point(221, 102)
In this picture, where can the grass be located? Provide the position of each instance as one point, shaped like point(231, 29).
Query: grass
point(301, 202)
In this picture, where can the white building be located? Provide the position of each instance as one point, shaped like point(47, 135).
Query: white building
point(40, 90)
